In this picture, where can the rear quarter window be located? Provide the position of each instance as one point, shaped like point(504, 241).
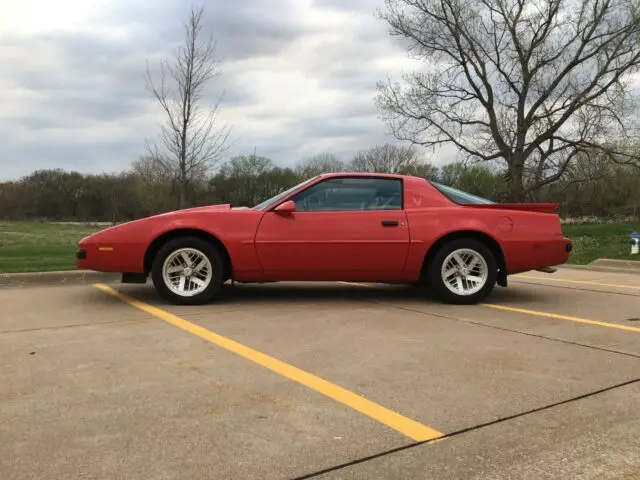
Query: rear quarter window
point(458, 196)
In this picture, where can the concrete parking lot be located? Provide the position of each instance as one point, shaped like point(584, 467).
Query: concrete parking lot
point(324, 381)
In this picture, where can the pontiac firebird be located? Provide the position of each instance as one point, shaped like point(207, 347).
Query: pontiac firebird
point(373, 228)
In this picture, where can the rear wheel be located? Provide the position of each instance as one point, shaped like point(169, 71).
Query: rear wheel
point(188, 271)
point(463, 271)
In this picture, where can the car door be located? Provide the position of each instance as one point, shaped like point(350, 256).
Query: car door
point(343, 228)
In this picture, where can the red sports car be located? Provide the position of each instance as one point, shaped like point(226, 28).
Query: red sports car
point(336, 227)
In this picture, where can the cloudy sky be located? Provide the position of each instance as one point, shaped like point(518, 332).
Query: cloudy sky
point(299, 78)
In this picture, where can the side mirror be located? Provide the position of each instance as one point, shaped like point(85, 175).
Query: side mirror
point(286, 208)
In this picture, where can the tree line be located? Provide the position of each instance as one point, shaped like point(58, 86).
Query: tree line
point(587, 189)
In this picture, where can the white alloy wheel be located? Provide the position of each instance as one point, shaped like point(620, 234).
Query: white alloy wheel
point(464, 272)
point(187, 272)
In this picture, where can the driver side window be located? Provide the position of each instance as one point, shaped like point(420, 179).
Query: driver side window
point(351, 194)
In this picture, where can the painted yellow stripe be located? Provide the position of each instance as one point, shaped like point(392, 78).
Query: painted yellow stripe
point(400, 423)
point(563, 317)
point(541, 314)
point(581, 282)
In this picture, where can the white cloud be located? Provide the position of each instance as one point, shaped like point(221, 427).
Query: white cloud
point(26, 17)
point(299, 78)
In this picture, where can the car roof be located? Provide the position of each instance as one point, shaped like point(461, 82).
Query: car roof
point(364, 174)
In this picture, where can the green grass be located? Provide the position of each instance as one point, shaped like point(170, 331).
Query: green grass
point(600, 240)
point(39, 246)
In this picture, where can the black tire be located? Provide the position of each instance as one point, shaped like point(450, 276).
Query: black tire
point(209, 250)
point(436, 281)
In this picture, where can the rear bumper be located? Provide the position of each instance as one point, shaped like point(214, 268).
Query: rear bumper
point(531, 255)
point(568, 247)
point(555, 253)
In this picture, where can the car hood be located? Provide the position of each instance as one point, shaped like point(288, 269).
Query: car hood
point(222, 207)
point(166, 217)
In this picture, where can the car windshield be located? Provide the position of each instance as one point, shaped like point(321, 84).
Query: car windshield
point(458, 196)
point(272, 200)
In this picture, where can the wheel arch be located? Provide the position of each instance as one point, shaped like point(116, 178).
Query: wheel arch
point(155, 246)
point(486, 239)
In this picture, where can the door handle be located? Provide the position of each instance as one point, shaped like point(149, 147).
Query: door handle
point(389, 223)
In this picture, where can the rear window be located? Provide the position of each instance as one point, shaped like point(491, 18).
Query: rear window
point(458, 196)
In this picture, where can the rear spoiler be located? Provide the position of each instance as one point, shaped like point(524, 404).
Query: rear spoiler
point(525, 207)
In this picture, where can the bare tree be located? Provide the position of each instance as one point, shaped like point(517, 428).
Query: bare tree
point(321, 163)
point(527, 84)
point(387, 158)
point(191, 141)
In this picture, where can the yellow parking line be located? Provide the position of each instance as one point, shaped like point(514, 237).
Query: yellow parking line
point(542, 314)
point(544, 279)
point(583, 282)
point(563, 317)
point(400, 423)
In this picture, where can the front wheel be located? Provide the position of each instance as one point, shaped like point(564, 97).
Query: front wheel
point(463, 272)
point(188, 271)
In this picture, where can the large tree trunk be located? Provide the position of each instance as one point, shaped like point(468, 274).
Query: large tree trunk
point(515, 182)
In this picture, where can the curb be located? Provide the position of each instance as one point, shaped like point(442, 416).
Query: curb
point(606, 267)
point(589, 268)
point(60, 278)
point(611, 263)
